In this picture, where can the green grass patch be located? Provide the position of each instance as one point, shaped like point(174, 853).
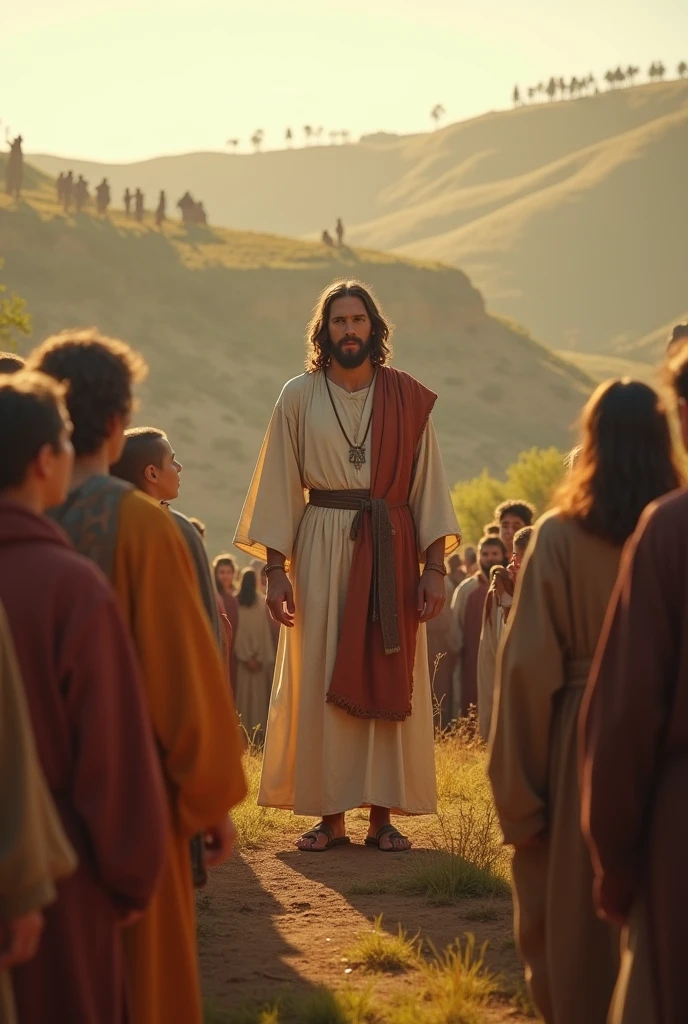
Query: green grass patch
point(446, 877)
point(378, 951)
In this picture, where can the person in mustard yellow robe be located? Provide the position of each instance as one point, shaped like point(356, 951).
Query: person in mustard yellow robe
point(34, 851)
point(140, 549)
point(562, 594)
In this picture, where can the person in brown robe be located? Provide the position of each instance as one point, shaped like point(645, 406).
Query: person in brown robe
point(467, 606)
point(498, 604)
point(34, 851)
point(90, 723)
point(634, 726)
point(224, 572)
point(562, 593)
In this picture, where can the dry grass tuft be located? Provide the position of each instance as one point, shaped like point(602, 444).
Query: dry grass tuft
point(377, 951)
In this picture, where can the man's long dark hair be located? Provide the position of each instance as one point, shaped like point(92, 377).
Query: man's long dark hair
point(318, 336)
point(626, 461)
point(248, 591)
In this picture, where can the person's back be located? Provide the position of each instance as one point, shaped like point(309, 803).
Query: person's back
point(561, 600)
point(91, 728)
point(140, 548)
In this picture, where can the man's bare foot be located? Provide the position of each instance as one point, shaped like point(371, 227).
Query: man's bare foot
point(335, 824)
point(393, 840)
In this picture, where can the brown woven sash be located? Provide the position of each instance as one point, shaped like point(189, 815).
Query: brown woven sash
point(384, 592)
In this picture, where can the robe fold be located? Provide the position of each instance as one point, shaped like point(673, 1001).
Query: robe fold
point(562, 592)
point(194, 723)
point(34, 851)
point(97, 753)
point(319, 759)
point(634, 733)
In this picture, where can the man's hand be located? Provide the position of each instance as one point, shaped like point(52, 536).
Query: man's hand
point(431, 595)
point(501, 581)
point(219, 842)
point(24, 937)
point(280, 598)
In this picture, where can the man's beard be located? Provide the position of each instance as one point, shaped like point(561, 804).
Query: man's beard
point(351, 360)
point(487, 569)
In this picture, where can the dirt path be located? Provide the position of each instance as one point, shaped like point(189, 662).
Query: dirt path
point(276, 918)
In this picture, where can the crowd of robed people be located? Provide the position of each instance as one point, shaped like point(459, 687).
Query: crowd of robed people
point(120, 743)
point(575, 656)
point(121, 723)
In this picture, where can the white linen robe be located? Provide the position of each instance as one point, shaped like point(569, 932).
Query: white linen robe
point(319, 759)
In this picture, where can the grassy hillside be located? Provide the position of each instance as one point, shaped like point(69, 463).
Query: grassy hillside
point(565, 215)
point(604, 367)
point(652, 346)
point(220, 317)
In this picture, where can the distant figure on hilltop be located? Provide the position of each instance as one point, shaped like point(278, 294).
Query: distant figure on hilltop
point(327, 238)
point(67, 191)
point(192, 212)
point(81, 196)
point(15, 168)
point(161, 212)
point(340, 232)
point(103, 196)
point(138, 206)
point(127, 202)
point(59, 188)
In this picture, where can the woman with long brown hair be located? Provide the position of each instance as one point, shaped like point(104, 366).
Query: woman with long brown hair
point(626, 460)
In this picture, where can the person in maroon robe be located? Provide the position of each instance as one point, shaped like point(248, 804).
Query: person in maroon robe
point(634, 764)
point(89, 719)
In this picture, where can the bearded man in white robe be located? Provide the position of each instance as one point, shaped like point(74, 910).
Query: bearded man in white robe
point(348, 498)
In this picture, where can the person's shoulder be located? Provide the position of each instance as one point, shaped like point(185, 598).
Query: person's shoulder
point(665, 518)
point(80, 577)
point(293, 391)
point(147, 516)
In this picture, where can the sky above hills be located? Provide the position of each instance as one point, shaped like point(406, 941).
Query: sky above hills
point(127, 80)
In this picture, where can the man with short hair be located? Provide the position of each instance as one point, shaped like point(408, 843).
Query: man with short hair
point(512, 515)
point(467, 616)
point(351, 718)
point(634, 766)
point(138, 546)
point(10, 362)
point(149, 463)
point(89, 717)
point(497, 608)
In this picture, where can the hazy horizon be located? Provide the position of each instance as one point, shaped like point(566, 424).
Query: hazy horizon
point(117, 82)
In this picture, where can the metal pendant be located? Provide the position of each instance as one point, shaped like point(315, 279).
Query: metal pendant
point(357, 455)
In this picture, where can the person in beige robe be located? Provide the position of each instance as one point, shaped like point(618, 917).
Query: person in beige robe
point(571, 956)
point(495, 617)
point(466, 622)
point(255, 653)
point(319, 760)
point(34, 851)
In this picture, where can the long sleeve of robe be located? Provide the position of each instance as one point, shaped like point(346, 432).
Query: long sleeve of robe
point(196, 727)
point(634, 732)
point(319, 760)
point(562, 593)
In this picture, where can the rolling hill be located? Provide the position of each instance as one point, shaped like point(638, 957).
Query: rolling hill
point(220, 316)
point(565, 215)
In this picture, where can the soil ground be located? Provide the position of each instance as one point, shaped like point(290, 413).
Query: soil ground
point(275, 919)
